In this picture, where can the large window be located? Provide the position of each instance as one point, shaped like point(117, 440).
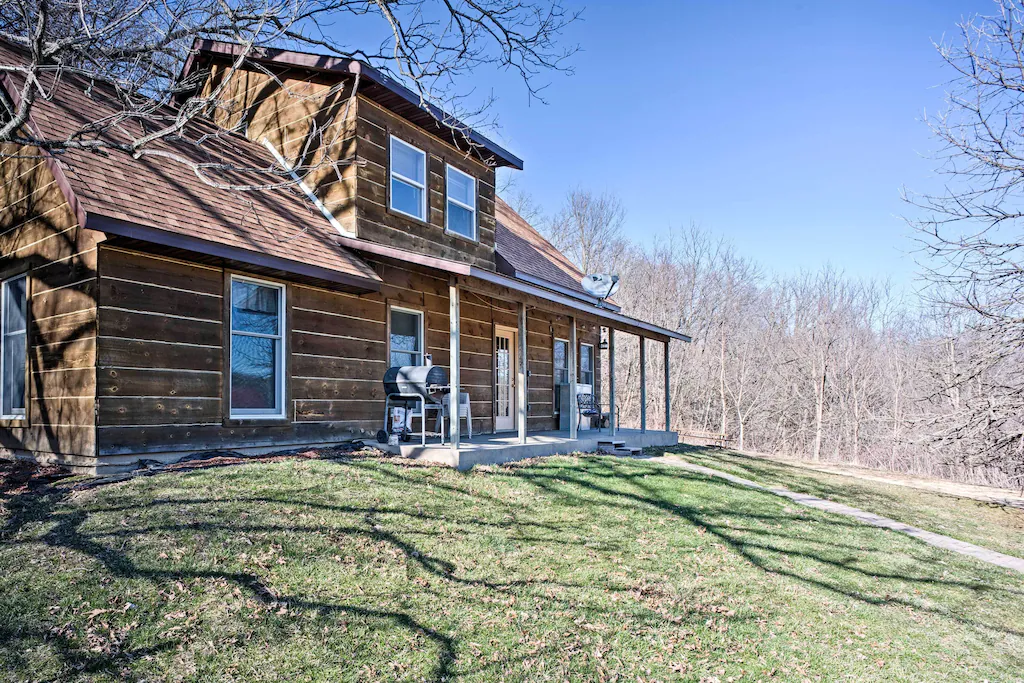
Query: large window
point(406, 340)
point(257, 348)
point(460, 209)
point(408, 179)
point(587, 364)
point(561, 370)
point(13, 321)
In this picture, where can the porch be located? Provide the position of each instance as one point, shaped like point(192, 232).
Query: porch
point(494, 449)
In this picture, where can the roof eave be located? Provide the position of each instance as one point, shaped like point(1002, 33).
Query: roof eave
point(176, 240)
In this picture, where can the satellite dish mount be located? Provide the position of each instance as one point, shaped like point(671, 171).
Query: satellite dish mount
point(600, 286)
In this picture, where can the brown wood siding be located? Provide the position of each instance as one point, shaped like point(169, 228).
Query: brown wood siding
point(161, 377)
point(39, 235)
point(161, 380)
point(311, 116)
point(302, 115)
point(159, 356)
point(377, 223)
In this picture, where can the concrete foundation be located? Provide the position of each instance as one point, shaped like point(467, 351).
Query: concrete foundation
point(494, 449)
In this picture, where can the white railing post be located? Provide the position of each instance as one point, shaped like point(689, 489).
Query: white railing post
point(611, 382)
point(573, 404)
point(522, 392)
point(454, 329)
point(643, 384)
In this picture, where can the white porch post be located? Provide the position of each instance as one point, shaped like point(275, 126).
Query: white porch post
point(611, 381)
point(668, 394)
point(573, 412)
point(453, 364)
point(521, 375)
point(643, 384)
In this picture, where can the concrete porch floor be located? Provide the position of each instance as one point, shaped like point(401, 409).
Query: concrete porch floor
point(494, 449)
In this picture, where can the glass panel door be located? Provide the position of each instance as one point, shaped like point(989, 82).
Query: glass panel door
point(504, 381)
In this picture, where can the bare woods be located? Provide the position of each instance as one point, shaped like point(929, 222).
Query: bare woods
point(819, 366)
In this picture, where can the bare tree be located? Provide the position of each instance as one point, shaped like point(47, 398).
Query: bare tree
point(521, 201)
point(972, 236)
point(135, 51)
point(588, 229)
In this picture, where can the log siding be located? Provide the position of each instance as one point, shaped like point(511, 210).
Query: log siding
point(41, 237)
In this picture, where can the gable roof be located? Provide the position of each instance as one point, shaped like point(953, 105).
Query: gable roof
point(525, 254)
point(374, 85)
point(162, 200)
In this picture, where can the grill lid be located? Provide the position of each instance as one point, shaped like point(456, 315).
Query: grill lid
point(416, 380)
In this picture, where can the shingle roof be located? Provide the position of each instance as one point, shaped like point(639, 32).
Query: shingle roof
point(530, 254)
point(167, 195)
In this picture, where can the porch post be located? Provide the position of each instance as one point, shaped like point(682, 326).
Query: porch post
point(611, 380)
point(521, 376)
point(572, 407)
point(643, 383)
point(668, 396)
point(454, 327)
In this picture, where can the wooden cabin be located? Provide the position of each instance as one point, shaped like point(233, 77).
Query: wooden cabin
point(149, 315)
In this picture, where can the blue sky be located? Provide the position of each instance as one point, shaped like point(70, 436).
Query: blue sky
point(786, 127)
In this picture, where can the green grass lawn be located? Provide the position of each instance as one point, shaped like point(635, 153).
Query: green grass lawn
point(569, 569)
point(998, 527)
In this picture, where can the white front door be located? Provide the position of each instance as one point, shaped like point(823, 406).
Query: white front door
point(504, 380)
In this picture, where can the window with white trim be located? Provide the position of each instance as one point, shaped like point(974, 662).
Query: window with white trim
point(460, 209)
point(257, 348)
point(561, 370)
point(587, 364)
point(14, 325)
point(406, 337)
point(408, 179)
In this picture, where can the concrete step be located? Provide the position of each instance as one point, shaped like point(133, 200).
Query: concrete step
point(609, 446)
point(628, 451)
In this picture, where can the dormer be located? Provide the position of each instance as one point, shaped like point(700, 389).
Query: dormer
point(404, 178)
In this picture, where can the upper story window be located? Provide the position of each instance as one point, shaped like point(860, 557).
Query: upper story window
point(460, 209)
point(408, 179)
point(587, 364)
point(406, 337)
point(257, 348)
point(13, 322)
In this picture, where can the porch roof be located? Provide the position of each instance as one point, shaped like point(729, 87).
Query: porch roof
point(516, 287)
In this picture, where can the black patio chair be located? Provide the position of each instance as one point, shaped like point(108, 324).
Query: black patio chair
point(588, 406)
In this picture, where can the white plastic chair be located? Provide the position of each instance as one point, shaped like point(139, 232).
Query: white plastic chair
point(464, 412)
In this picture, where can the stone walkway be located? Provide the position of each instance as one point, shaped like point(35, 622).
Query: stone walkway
point(986, 494)
point(937, 540)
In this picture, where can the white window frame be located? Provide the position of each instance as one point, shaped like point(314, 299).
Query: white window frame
point(20, 413)
point(554, 372)
point(279, 390)
point(422, 332)
point(448, 199)
point(593, 372)
point(392, 174)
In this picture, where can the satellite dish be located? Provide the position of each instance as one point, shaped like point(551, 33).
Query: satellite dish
point(600, 285)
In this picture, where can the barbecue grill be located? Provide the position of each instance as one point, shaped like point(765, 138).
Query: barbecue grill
point(408, 385)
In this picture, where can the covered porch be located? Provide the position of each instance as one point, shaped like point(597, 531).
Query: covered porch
point(494, 449)
point(523, 381)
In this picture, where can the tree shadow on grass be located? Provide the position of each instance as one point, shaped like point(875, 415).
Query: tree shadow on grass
point(85, 528)
point(767, 550)
point(759, 531)
point(65, 533)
